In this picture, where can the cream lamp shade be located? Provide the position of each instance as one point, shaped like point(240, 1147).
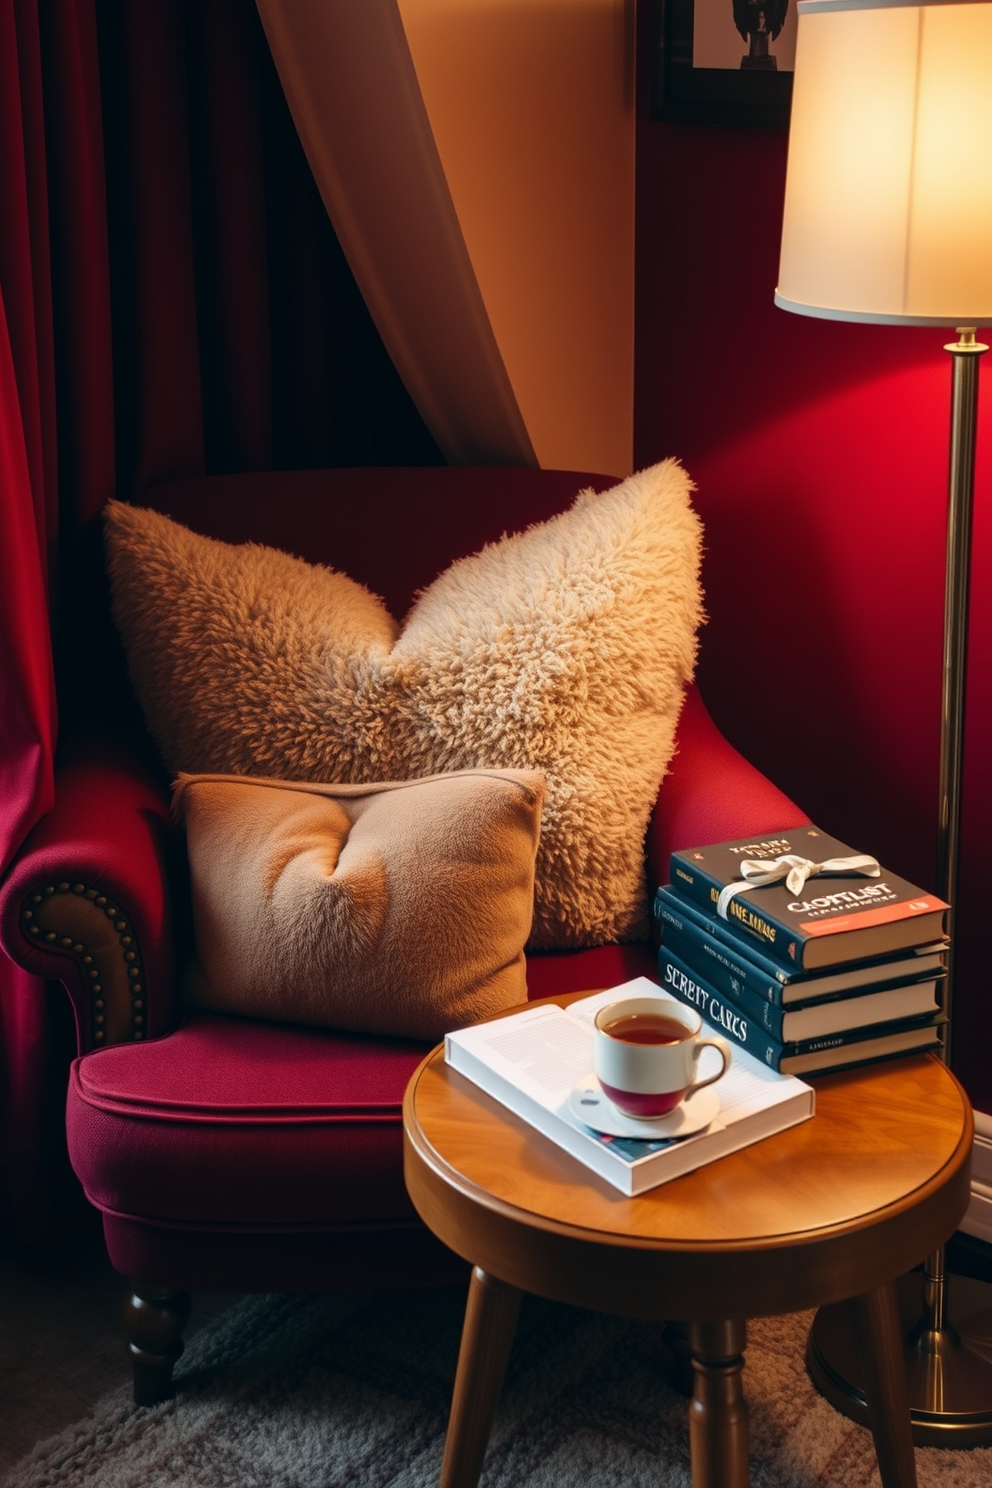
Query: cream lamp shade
point(888, 205)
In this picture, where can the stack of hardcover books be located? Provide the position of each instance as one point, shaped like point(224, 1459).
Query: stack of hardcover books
point(807, 954)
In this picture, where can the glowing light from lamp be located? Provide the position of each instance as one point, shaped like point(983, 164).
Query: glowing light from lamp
point(888, 211)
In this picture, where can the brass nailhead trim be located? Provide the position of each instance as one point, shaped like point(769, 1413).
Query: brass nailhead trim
point(76, 948)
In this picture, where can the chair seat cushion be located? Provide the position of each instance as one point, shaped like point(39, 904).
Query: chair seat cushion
point(228, 1121)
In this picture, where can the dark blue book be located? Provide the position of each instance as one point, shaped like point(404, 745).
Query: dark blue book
point(807, 899)
point(734, 965)
point(802, 1056)
point(893, 1004)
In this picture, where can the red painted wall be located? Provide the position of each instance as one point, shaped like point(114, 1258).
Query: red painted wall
point(820, 452)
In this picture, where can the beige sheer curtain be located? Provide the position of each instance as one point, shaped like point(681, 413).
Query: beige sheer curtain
point(476, 159)
point(349, 80)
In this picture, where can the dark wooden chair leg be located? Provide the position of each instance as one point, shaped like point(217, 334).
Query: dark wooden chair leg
point(878, 1336)
point(717, 1413)
point(155, 1318)
point(487, 1335)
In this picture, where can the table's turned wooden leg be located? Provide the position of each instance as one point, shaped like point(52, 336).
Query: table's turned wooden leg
point(878, 1336)
point(717, 1412)
point(487, 1334)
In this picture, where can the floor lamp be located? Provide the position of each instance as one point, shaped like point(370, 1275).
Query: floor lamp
point(888, 218)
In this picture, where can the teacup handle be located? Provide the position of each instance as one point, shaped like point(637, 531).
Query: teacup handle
point(710, 1043)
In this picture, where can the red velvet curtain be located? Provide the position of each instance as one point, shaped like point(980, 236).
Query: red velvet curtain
point(30, 284)
point(173, 301)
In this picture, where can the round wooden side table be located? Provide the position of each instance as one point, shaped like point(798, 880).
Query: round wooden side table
point(831, 1210)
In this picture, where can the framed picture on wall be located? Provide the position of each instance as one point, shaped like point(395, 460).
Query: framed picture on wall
point(724, 61)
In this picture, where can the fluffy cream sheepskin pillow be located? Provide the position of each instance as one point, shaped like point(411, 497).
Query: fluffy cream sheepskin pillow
point(564, 648)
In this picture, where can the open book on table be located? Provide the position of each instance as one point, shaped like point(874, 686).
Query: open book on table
point(533, 1061)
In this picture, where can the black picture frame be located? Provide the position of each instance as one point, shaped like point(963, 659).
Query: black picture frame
point(683, 94)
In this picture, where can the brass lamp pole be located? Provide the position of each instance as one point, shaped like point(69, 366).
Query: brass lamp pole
point(965, 351)
point(947, 1321)
point(888, 219)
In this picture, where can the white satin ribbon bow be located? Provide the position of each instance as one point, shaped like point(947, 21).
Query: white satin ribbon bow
point(756, 872)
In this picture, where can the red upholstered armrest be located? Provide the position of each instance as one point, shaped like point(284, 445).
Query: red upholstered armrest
point(711, 794)
point(87, 901)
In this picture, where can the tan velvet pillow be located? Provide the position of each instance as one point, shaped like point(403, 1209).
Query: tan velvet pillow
point(398, 908)
point(564, 649)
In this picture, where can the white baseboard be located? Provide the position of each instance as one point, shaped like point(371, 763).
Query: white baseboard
point(978, 1220)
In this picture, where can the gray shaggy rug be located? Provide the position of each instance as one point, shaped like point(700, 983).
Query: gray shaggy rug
point(352, 1391)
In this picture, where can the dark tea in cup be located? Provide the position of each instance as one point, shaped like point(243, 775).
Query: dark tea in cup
point(647, 1028)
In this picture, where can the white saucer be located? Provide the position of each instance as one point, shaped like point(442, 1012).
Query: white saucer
point(592, 1107)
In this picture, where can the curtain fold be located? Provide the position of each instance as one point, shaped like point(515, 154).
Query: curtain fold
point(25, 261)
point(79, 283)
point(27, 693)
point(151, 145)
point(226, 79)
point(352, 87)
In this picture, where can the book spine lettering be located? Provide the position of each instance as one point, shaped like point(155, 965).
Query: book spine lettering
point(727, 972)
point(776, 939)
point(720, 1011)
point(759, 1009)
point(673, 908)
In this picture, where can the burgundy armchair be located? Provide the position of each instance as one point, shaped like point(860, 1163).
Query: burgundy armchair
point(228, 1154)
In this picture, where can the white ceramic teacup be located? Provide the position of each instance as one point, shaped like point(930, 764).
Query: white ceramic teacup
point(646, 1054)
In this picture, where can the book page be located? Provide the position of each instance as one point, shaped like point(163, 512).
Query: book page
point(548, 1052)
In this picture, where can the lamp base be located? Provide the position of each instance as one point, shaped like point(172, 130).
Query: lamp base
point(948, 1373)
